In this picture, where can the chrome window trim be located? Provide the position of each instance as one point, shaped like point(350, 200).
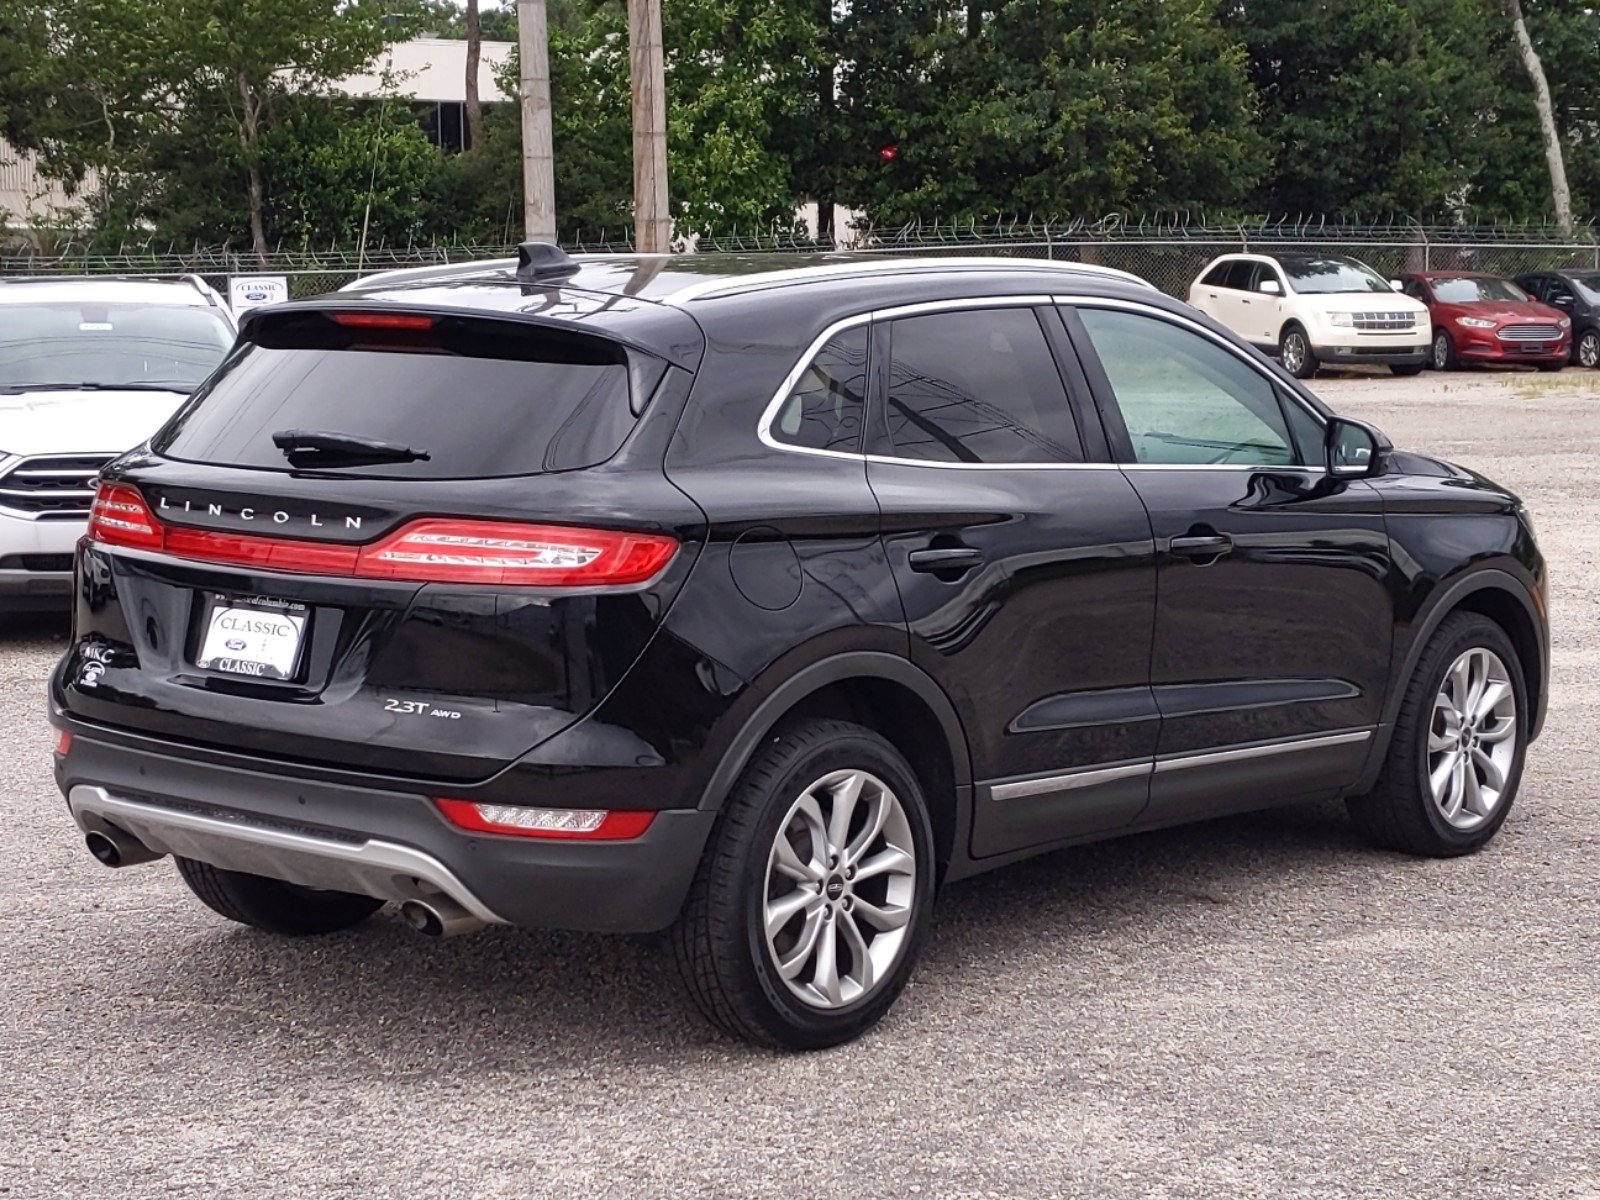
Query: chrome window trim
point(1021, 789)
point(770, 413)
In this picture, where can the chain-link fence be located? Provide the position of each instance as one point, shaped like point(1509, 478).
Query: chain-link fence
point(1167, 253)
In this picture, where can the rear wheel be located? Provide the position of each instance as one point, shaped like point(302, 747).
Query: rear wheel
point(273, 905)
point(1456, 756)
point(808, 912)
point(1294, 351)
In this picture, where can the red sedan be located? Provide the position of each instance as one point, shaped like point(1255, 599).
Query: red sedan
point(1484, 318)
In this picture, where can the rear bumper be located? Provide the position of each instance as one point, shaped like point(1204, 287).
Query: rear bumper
point(382, 843)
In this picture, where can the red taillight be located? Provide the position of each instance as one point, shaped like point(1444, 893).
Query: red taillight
point(120, 517)
point(591, 824)
point(381, 320)
point(444, 551)
point(430, 550)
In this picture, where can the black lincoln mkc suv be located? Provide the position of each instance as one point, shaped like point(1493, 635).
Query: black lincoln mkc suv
point(629, 593)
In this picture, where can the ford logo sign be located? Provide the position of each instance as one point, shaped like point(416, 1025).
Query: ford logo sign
point(234, 643)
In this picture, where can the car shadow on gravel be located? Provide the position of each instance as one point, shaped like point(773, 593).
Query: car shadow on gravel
point(19, 627)
point(513, 1000)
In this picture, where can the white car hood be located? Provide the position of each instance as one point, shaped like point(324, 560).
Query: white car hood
point(68, 422)
point(1359, 302)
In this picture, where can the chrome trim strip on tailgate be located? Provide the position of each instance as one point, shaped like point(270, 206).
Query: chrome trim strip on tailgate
point(367, 866)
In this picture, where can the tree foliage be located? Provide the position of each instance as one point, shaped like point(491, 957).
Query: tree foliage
point(210, 120)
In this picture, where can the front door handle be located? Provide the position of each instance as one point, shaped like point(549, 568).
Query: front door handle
point(952, 558)
point(1204, 547)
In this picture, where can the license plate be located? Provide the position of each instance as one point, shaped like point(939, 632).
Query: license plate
point(255, 637)
point(1535, 348)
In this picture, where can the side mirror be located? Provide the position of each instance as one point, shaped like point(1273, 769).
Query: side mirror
point(1270, 286)
point(1354, 449)
point(1397, 284)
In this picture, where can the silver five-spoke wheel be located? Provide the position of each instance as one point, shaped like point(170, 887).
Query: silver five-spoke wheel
point(1472, 740)
point(840, 889)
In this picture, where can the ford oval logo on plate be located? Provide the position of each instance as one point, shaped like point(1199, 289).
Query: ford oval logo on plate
point(235, 643)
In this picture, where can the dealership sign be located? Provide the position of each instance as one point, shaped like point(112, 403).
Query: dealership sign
point(252, 291)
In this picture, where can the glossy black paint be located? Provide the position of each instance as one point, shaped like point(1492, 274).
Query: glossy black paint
point(1077, 633)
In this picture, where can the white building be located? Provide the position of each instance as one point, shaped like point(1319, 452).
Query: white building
point(433, 71)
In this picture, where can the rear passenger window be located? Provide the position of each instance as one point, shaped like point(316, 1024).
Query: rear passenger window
point(823, 412)
point(1217, 276)
point(977, 386)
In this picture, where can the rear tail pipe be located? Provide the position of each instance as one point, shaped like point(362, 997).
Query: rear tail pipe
point(439, 916)
point(115, 847)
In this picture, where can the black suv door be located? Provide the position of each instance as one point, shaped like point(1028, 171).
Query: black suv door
point(1024, 561)
point(1274, 619)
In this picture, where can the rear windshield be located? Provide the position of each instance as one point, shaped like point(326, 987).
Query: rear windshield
point(172, 347)
point(476, 399)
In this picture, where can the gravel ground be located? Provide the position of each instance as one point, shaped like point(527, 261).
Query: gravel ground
point(1253, 1007)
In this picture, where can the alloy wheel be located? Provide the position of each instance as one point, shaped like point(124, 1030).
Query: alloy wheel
point(1472, 739)
point(1441, 352)
point(1589, 350)
point(1294, 353)
point(840, 889)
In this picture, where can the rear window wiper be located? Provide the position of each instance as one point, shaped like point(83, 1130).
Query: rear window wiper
point(315, 448)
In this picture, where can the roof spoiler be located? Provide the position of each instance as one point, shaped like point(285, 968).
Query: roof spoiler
point(544, 262)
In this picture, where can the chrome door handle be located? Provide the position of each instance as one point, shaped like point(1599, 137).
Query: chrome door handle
point(1205, 546)
point(953, 558)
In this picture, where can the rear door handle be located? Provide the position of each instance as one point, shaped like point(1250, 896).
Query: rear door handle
point(1207, 546)
point(953, 558)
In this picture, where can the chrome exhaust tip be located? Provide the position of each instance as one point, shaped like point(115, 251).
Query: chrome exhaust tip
point(439, 916)
point(113, 847)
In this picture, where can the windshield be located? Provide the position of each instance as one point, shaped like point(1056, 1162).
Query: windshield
point(1588, 286)
point(109, 345)
point(1470, 289)
point(1319, 276)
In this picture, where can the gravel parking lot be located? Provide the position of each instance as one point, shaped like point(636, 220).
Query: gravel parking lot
point(1254, 1007)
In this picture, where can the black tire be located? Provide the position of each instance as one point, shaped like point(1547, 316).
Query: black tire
point(1442, 355)
point(1301, 361)
point(273, 905)
point(1399, 812)
point(1405, 371)
point(720, 940)
point(1586, 348)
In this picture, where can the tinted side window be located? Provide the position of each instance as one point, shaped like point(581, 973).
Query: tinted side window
point(1217, 276)
point(1184, 398)
point(1414, 290)
point(977, 387)
point(1240, 273)
point(823, 412)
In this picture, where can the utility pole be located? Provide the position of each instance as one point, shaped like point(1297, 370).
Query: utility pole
point(538, 159)
point(652, 221)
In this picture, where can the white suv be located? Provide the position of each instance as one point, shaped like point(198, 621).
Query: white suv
point(89, 367)
point(1315, 310)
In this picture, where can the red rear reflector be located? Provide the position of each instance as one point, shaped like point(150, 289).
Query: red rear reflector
point(590, 824)
point(63, 742)
point(430, 550)
point(446, 551)
point(381, 320)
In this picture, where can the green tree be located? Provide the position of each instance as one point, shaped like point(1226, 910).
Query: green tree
point(1381, 107)
point(1061, 107)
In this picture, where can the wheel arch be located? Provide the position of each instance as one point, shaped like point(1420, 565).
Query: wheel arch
point(895, 699)
point(1505, 600)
